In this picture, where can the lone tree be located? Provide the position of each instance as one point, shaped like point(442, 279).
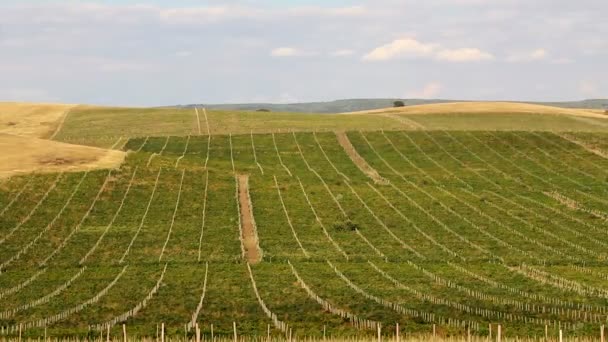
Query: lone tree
point(398, 104)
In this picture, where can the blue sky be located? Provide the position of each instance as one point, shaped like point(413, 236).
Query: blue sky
point(173, 52)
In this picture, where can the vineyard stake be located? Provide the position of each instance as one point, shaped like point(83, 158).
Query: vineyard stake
point(212, 337)
point(198, 333)
point(602, 337)
point(490, 329)
point(397, 335)
point(162, 332)
point(234, 328)
point(124, 332)
point(499, 333)
point(546, 333)
point(324, 331)
point(156, 332)
point(561, 336)
point(19, 332)
point(45, 334)
point(108, 334)
point(268, 333)
point(379, 333)
point(434, 331)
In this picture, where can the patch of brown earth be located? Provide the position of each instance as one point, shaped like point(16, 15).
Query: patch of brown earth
point(358, 160)
point(249, 237)
point(27, 154)
point(37, 120)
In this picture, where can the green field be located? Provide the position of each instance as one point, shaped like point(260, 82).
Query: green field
point(473, 228)
point(105, 127)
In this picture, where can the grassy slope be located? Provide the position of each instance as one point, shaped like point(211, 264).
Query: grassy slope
point(473, 167)
point(104, 126)
point(409, 166)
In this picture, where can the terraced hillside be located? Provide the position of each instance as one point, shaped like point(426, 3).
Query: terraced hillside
point(328, 232)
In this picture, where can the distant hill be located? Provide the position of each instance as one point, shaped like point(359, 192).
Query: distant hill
point(354, 105)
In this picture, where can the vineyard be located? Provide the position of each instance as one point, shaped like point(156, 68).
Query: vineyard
point(313, 234)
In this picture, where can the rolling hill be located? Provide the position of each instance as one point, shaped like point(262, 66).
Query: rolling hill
point(439, 220)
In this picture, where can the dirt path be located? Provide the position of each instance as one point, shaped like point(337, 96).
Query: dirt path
point(198, 120)
point(60, 125)
point(358, 160)
point(249, 232)
point(408, 123)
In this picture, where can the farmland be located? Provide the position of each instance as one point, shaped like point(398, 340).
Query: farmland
point(111, 127)
point(458, 229)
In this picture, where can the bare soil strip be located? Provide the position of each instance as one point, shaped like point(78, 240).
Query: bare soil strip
point(60, 125)
point(248, 228)
point(198, 120)
point(409, 124)
point(358, 160)
point(207, 121)
point(596, 151)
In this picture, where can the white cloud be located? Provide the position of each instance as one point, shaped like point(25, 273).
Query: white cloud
point(529, 56)
point(463, 55)
point(412, 48)
point(399, 48)
point(342, 53)
point(428, 91)
point(286, 52)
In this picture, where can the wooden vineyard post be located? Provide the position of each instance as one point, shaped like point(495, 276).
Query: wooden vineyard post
point(490, 332)
point(162, 332)
point(546, 332)
point(469, 334)
point(156, 332)
point(324, 332)
point(212, 336)
point(434, 331)
point(19, 332)
point(268, 332)
point(499, 334)
point(198, 333)
point(602, 337)
point(108, 334)
point(234, 328)
point(45, 338)
point(397, 334)
point(561, 335)
point(379, 333)
point(290, 331)
point(124, 332)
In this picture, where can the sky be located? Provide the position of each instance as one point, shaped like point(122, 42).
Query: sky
point(151, 53)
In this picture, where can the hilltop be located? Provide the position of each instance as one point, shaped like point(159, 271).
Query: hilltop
point(355, 105)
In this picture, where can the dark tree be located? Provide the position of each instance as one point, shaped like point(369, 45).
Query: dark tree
point(398, 104)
